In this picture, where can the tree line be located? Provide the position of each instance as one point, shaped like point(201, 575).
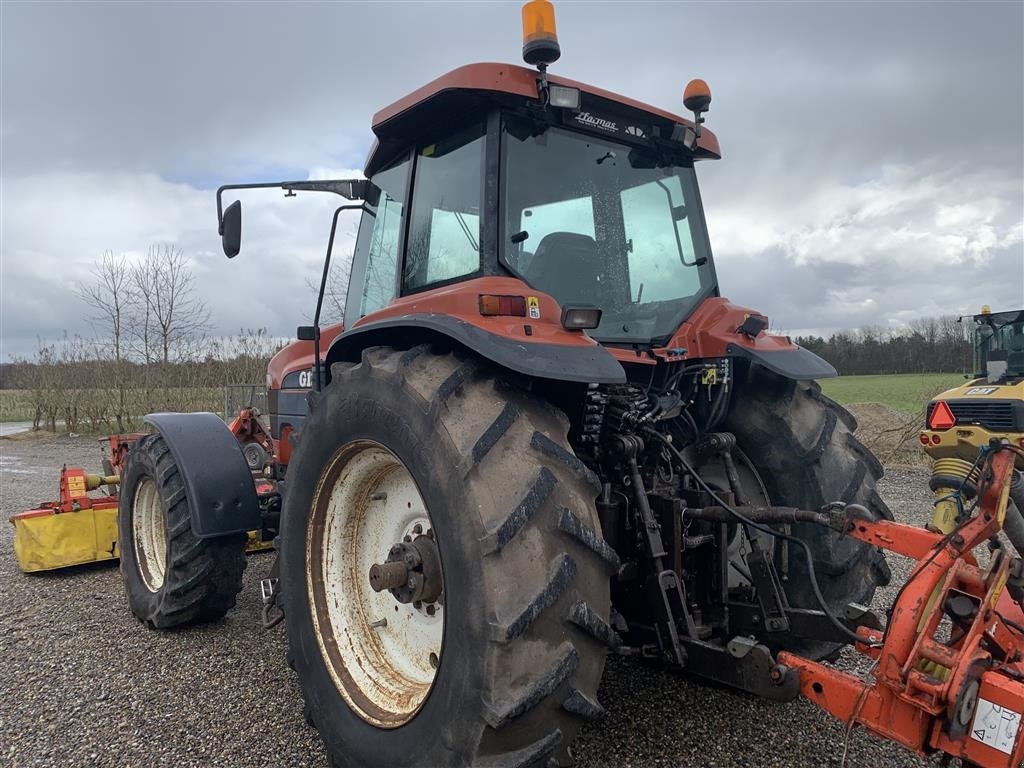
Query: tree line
point(926, 345)
point(149, 350)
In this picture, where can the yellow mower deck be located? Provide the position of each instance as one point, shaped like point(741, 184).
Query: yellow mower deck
point(46, 540)
point(79, 528)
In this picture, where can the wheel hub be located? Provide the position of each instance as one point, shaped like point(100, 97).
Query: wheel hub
point(412, 571)
point(375, 582)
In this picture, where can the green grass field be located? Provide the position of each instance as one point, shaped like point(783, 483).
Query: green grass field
point(908, 392)
point(16, 404)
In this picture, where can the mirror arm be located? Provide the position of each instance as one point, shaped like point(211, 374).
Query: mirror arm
point(323, 287)
point(351, 189)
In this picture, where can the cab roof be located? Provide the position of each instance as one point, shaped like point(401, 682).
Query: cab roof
point(462, 88)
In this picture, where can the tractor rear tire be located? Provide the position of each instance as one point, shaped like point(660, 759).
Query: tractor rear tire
point(525, 571)
point(803, 446)
point(172, 577)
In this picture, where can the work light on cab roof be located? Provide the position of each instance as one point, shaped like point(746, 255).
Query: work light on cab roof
point(541, 49)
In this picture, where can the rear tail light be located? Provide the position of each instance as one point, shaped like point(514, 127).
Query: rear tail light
point(491, 305)
point(942, 417)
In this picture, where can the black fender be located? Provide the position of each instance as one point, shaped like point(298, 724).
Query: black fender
point(795, 363)
point(219, 486)
point(544, 361)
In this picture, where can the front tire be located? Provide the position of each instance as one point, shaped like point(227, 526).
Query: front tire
point(172, 577)
point(256, 456)
point(524, 616)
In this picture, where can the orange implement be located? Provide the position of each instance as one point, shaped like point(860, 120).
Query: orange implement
point(956, 686)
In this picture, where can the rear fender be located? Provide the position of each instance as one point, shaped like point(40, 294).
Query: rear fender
point(218, 484)
point(534, 359)
point(713, 330)
point(536, 345)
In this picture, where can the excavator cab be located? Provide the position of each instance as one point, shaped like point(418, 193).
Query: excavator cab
point(999, 345)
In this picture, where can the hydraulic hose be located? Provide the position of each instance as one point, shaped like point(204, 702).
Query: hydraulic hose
point(843, 630)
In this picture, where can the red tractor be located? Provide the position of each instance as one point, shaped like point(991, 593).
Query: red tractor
point(541, 436)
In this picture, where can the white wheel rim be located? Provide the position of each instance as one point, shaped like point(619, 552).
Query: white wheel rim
point(149, 534)
point(382, 655)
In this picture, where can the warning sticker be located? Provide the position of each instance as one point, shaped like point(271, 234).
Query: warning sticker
point(76, 485)
point(709, 376)
point(995, 726)
point(534, 304)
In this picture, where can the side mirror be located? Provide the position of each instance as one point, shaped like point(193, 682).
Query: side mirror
point(231, 229)
point(307, 333)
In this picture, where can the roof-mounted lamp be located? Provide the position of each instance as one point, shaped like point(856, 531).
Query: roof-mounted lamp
point(540, 42)
point(697, 99)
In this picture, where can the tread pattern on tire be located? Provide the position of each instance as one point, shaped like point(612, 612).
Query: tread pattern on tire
point(203, 576)
point(540, 548)
point(804, 447)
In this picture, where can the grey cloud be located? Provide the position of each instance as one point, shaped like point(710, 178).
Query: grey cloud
point(193, 86)
point(104, 105)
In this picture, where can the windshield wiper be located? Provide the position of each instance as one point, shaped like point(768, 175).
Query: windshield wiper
point(467, 231)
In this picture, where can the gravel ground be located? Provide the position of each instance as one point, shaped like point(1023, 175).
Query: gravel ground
point(84, 684)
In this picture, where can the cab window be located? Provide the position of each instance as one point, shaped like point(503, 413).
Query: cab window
point(444, 230)
point(374, 279)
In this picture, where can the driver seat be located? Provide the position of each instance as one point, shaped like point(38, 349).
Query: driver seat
point(567, 265)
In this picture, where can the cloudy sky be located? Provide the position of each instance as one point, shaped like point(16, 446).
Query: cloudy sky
point(872, 168)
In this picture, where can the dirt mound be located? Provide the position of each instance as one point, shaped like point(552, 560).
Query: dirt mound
point(890, 434)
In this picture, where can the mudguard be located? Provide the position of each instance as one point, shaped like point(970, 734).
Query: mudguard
point(793, 363)
point(590, 364)
point(219, 486)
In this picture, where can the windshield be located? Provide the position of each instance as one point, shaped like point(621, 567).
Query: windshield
point(999, 338)
point(593, 221)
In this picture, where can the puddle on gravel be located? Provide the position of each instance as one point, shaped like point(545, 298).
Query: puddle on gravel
point(10, 464)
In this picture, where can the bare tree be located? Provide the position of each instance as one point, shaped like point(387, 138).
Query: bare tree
point(112, 298)
point(171, 314)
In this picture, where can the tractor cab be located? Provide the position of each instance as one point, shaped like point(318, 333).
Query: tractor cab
point(497, 170)
point(999, 345)
point(552, 227)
